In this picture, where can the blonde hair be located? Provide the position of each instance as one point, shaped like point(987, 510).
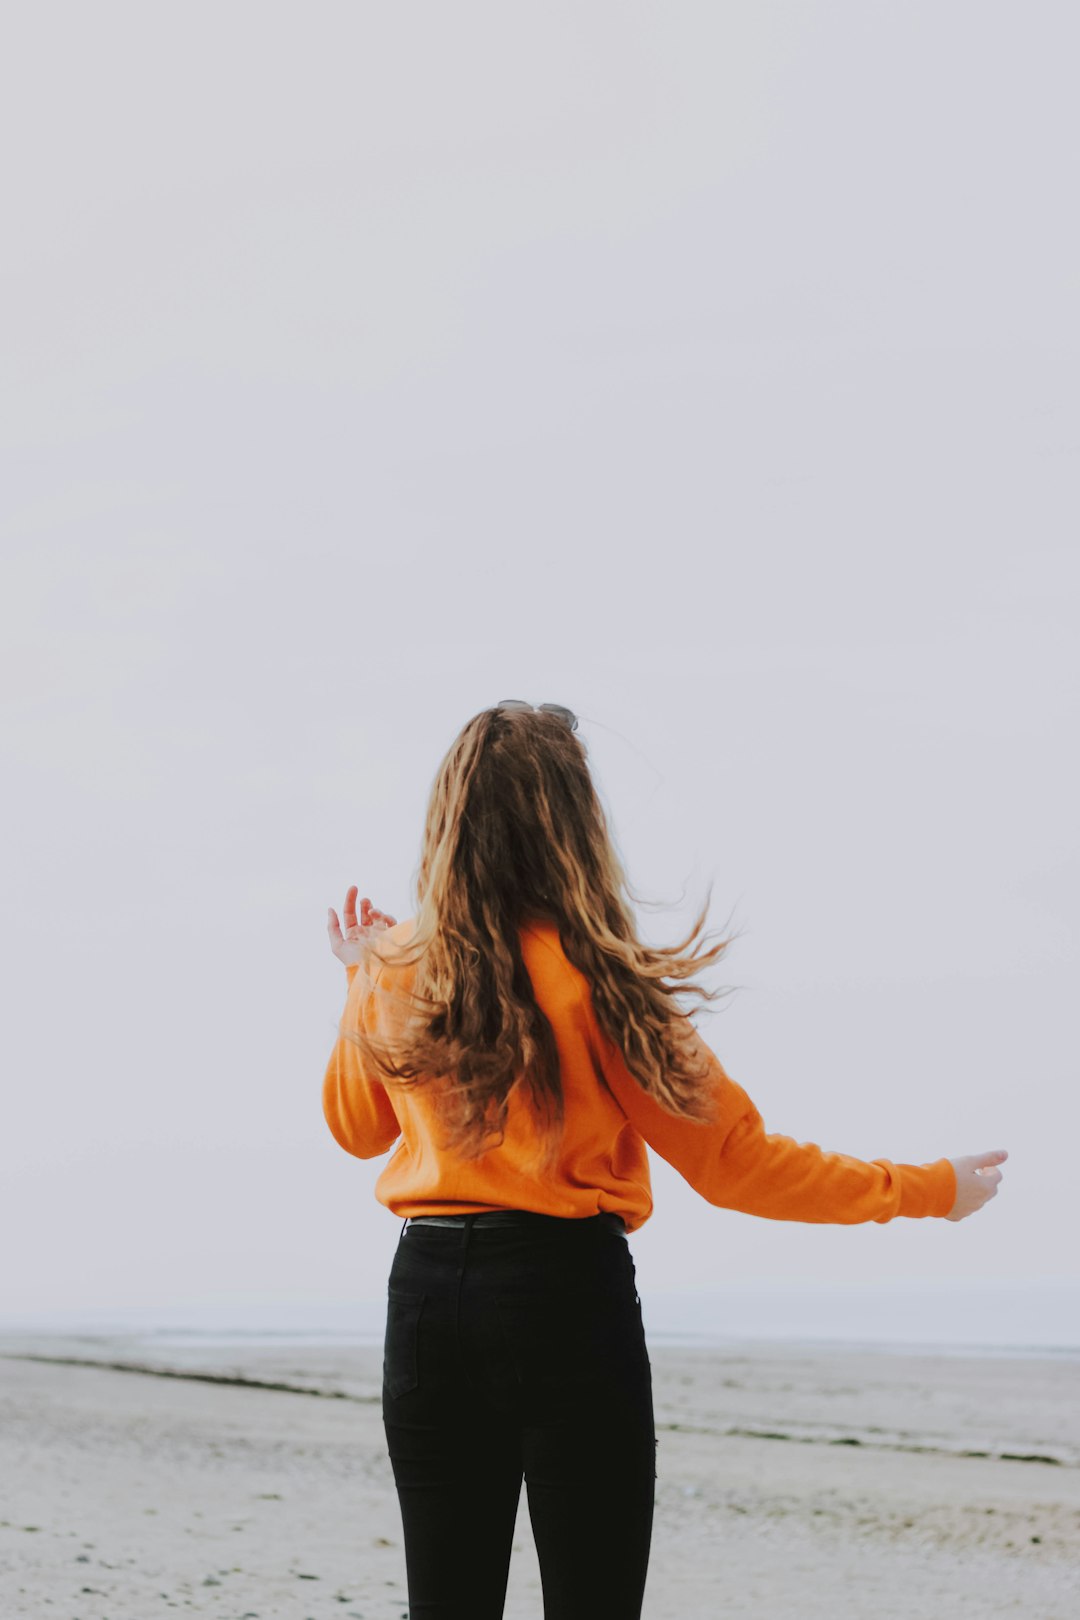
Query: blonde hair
point(514, 832)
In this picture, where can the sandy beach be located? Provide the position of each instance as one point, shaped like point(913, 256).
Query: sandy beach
point(792, 1481)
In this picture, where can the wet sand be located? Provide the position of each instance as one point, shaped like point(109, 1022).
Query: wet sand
point(793, 1481)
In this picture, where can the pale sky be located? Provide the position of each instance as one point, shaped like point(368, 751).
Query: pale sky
point(712, 370)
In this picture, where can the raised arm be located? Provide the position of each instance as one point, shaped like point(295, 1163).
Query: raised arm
point(356, 1105)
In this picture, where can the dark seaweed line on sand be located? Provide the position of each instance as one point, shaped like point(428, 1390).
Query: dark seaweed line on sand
point(235, 1380)
point(239, 1382)
point(869, 1445)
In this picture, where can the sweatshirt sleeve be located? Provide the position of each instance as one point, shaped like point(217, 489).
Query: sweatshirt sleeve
point(735, 1163)
point(356, 1105)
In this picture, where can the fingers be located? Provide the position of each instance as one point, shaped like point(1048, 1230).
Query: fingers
point(371, 918)
point(981, 1163)
point(988, 1177)
point(984, 1167)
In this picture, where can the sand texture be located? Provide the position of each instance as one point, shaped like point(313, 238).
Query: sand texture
point(793, 1482)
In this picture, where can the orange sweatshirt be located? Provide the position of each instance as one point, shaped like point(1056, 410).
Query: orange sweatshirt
point(732, 1162)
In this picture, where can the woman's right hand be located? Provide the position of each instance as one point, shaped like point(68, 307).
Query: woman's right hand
point(350, 946)
point(976, 1182)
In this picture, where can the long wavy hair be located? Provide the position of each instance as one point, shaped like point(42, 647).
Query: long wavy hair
point(515, 832)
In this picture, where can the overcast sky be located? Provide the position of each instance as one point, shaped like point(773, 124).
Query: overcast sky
point(710, 369)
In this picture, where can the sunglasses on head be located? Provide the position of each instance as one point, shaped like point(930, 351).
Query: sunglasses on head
point(567, 716)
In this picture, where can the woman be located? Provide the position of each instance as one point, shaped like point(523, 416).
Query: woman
point(521, 1045)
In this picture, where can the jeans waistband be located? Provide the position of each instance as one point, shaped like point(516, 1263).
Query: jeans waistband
point(606, 1219)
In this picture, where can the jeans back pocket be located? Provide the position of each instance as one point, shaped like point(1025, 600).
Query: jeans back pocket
point(401, 1346)
point(574, 1341)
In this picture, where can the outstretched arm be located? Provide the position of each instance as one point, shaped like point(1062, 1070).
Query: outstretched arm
point(735, 1163)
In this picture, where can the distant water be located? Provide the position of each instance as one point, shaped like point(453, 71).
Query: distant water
point(1037, 1318)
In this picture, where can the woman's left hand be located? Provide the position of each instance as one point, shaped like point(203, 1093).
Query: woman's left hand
point(351, 945)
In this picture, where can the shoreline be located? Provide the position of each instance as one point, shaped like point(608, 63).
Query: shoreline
point(345, 1338)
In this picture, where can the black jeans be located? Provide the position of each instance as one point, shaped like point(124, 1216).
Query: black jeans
point(518, 1352)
